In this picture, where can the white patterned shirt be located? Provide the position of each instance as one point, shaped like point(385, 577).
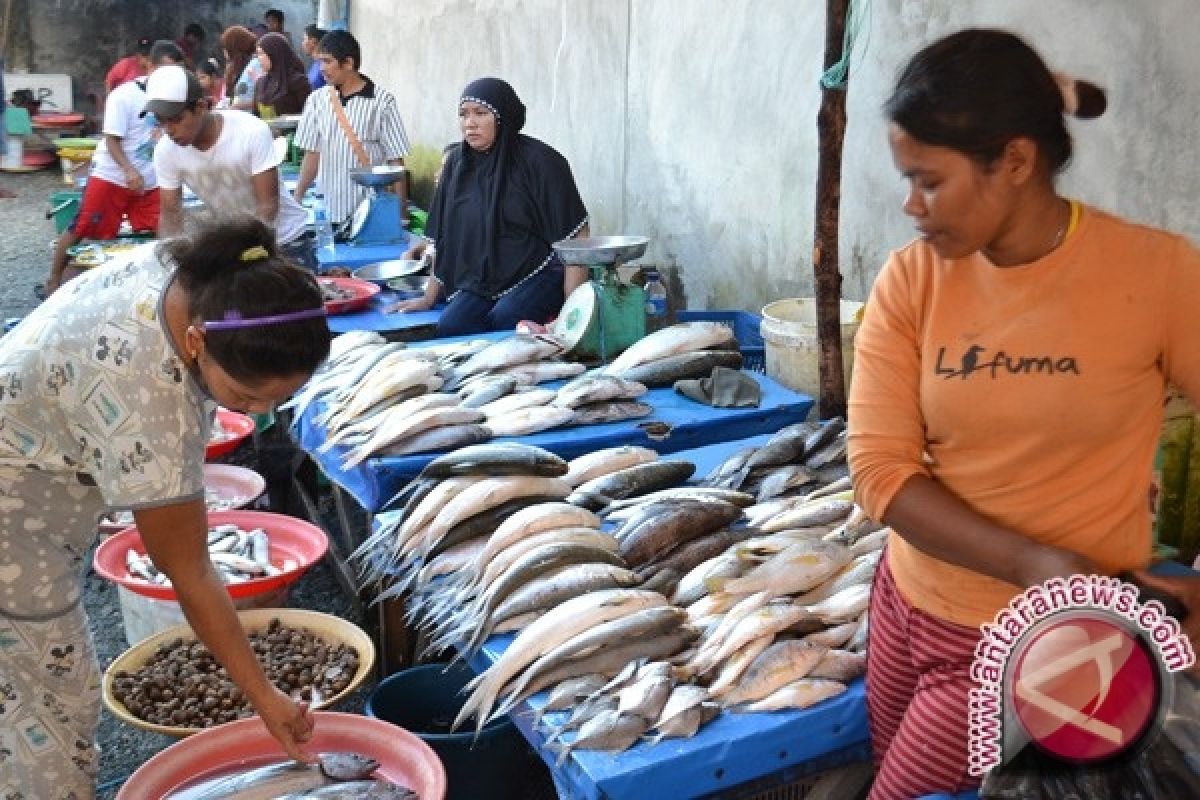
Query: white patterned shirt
point(96, 412)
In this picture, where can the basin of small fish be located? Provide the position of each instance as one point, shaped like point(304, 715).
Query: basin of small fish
point(259, 550)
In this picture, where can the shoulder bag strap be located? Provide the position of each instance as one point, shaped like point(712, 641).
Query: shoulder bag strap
point(360, 152)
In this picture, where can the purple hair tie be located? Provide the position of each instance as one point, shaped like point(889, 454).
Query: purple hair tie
point(235, 321)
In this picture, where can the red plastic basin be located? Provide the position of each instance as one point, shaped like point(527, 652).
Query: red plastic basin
point(291, 539)
point(237, 426)
point(403, 758)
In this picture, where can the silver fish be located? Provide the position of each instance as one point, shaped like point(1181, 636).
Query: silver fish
point(281, 779)
point(664, 372)
point(614, 731)
point(356, 790)
point(595, 388)
point(611, 411)
point(681, 338)
point(605, 462)
point(840, 665)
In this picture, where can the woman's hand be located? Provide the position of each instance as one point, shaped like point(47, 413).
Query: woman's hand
point(290, 722)
point(422, 303)
point(1185, 589)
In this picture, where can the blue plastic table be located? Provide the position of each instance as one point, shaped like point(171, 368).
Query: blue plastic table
point(685, 424)
point(352, 256)
point(730, 750)
point(408, 325)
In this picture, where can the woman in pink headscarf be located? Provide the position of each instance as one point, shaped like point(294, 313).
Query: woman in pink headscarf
point(284, 86)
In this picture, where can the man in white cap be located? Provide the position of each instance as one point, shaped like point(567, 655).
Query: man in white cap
point(225, 157)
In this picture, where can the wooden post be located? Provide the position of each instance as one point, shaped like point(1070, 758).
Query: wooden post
point(827, 278)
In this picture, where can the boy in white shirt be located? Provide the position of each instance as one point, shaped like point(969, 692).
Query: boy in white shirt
point(225, 157)
point(122, 181)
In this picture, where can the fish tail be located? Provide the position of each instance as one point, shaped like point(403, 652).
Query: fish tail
point(564, 752)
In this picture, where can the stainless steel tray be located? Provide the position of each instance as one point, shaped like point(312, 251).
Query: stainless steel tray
point(601, 249)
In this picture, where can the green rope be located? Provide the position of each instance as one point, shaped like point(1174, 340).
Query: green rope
point(835, 77)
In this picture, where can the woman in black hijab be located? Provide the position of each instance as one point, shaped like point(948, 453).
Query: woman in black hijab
point(502, 200)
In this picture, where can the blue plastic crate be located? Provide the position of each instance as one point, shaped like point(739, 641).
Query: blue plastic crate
point(745, 329)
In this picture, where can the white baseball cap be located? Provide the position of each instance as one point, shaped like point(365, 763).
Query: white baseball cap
point(171, 89)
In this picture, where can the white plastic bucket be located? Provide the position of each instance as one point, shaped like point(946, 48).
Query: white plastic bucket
point(145, 616)
point(789, 331)
point(14, 158)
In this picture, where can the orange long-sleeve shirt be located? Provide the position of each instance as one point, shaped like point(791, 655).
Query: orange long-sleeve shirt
point(1036, 392)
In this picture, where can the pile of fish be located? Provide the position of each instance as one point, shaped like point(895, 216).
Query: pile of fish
point(239, 556)
point(643, 603)
point(686, 350)
point(380, 398)
point(333, 775)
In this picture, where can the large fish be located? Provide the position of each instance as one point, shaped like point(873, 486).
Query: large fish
point(518, 349)
point(543, 371)
point(605, 462)
point(530, 398)
point(584, 650)
point(663, 372)
point(432, 440)
point(356, 790)
point(398, 428)
point(534, 520)
point(596, 388)
point(525, 421)
point(611, 411)
point(484, 391)
point(801, 694)
point(667, 524)
point(294, 779)
point(640, 479)
point(495, 459)
point(569, 619)
point(780, 664)
point(681, 338)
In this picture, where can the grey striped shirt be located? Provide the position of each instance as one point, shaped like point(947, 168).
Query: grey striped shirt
point(375, 118)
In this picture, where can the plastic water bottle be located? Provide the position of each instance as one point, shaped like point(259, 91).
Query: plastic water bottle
point(656, 301)
point(321, 223)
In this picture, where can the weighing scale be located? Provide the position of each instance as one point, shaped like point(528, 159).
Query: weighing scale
point(603, 316)
point(377, 218)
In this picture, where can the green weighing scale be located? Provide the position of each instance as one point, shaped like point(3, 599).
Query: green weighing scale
point(603, 316)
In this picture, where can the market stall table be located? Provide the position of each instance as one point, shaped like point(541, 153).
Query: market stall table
point(731, 750)
point(776, 748)
point(352, 256)
point(677, 423)
point(400, 326)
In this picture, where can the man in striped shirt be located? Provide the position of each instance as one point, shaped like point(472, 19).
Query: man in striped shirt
point(371, 113)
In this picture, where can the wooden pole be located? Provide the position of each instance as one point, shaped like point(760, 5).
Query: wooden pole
point(827, 278)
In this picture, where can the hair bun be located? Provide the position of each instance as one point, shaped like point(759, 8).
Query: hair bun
point(1092, 100)
point(1081, 99)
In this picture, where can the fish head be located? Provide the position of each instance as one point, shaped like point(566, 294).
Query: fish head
point(346, 766)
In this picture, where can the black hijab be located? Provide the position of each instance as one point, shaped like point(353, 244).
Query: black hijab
point(495, 214)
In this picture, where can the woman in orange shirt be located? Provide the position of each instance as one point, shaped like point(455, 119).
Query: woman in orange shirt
point(1008, 385)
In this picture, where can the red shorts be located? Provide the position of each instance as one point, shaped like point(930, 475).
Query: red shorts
point(105, 203)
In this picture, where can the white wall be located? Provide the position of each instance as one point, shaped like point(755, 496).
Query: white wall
point(693, 121)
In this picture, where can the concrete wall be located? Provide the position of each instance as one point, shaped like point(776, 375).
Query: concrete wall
point(693, 121)
point(83, 38)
